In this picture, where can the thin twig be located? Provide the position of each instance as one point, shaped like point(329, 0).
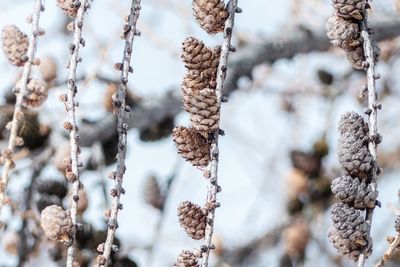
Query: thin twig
point(18, 105)
point(122, 127)
point(373, 107)
point(70, 106)
point(213, 187)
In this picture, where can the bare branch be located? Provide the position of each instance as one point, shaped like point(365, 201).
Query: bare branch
point(130, 32)
point(213, 187)
point(70, 106)
point(373, 107)
point(33, 39)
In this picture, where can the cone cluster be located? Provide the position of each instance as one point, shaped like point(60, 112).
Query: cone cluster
point(56, 224)
point(344, 31)
point(349, 231)
point(35, 95)
point(15, 45)
point(210, 15)
point(193, 219)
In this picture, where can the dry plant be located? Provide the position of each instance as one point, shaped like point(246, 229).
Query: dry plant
point(202, 97)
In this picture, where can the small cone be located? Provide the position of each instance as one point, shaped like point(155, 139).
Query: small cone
point(210, 14)
point(152, 193)
point(48, 69)
point(343, 33)
point(192, 146)
point(350, 9)
point(15, 45)
point(197, 56)
point(35, 94)
point(187, 259)
point(192, 219)
point(56, 224)
point(70, 7)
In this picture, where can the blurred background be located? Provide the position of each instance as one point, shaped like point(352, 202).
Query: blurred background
point(287, 89)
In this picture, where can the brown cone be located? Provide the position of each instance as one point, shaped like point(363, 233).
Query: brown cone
point(197, 56)
point(192, 146)
point(35, 94)
point(204, 111)
point(48, 69)
point(210, 14)
point(152, 193)
point(56, 223)
point(186, 259)
point(192, 219)
point(343, 33)
point(350, 9)
point(15, 45)
point(69, 7)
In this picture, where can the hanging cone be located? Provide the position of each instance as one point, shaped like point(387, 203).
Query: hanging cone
point(343, 33)
point(210, 14)
point(187, 259)
point(70, 7)
point(349, 231)
point(204, 111)
point(35, 94)
point(152, 193)
point(192, 219)
point(15, 45)
point(353, 150)
point(355, 192)
point(56, 224)
point(350, 9)
point(197, 56)
point(192, 146)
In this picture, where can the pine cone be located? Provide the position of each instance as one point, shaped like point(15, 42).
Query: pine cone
point(186, 259)
point(192, 146)
point(48, 69)
point(197, 56)
point(35, 94)
point(152, 193)
point(350, 9)
point(353, 151)
point(348, 232)
point(15, 45)
point(192, 219)
point(343, 33)
point(204, 111)
point(70, 7)
point(56, 223)
point(210, 14)
point(354, 192)
point(52, 187)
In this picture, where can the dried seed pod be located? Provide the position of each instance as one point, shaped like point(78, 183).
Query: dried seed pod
point(210, 14)
point(56, 223)
point(152, 193)
point(204, 111)
point(354, 191)
point(343, 33)
point(15, 45)
point(52, 187)
point(192, 146)
point(295, 239)
point(353, 150)
point(197, 56)
point(48, 69)
point(70, 7)
point(186, 259)
point(192, 218)
point(349, 231)
point(350, 9)
point(35, 95)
